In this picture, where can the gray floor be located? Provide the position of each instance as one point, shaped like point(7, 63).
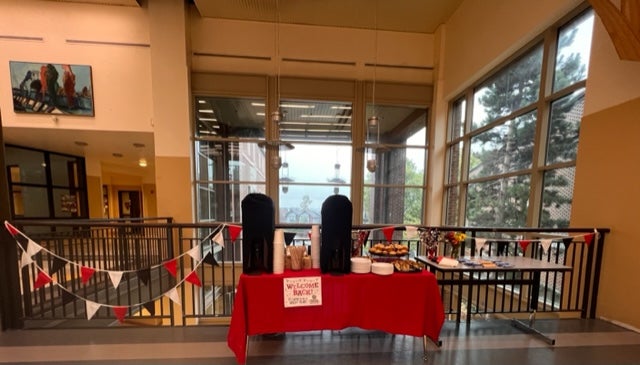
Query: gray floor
point(494, 342)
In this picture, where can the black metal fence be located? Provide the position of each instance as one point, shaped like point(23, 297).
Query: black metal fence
point(94, 273)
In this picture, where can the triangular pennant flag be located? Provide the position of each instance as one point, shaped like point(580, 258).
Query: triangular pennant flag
point(13, 230)
point(234, 231)
point(41, 279)
point(25, 259)
point(524, 244)
point(173, 295)
point(66, 297)
point(172, 267)
point(150, 307)
point(56, 265)
point(588, 238)
point(388, 232)
point(480, 244)
point(144, 275)
point(412, 232)
point(33, 248)
point(209, 259)
point(116, 277)
point(219, 239)
point(545, 243)
point(193, 279)
point(92, 308)
point(120, 312)
point(195, 253)
point(86, 273)
point(567, 242)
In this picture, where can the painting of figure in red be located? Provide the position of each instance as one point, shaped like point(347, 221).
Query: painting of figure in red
point(51, 88)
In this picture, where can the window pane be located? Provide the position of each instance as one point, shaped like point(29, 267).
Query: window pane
point(229, 117)
point(564, 127)
point(557, 197)
point(30, 202)
point(229, 161)
point(303, 203)
point(513, 88)
point(327, 121)
point(66, 204)
point(64, 170)
point(392, 205)
point(221, 202)
point(455, 163)
point(458, 113)
point(397, 125)
point(498, 203)
point(31, 165)
point(316, 163)
point(452, 203)
point(574, 47)
point(504, 148)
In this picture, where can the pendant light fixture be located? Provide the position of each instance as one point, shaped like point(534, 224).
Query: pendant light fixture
point(373, 124)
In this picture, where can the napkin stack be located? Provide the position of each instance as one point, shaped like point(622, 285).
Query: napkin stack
point(315, 246)
point(278, 251)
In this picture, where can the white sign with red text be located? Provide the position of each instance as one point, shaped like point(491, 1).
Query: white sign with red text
point(301, 292)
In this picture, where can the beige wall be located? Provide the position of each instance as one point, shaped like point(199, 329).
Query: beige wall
point(607, 189)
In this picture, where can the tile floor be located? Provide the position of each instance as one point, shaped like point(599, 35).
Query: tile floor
point(491, 342)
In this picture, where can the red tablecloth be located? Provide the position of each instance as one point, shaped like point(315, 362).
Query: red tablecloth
point(401, 303)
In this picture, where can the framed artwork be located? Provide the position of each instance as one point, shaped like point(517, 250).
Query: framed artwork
point(51, 88)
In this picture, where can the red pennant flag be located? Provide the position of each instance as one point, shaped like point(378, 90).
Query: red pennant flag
point(41, 280)
point(86, 273)
point(234, 231)
point(588, 238)
point(193, 279)
point(11, 229)
point(120, 312)
point(388, 232)
point(171, 267)
point(524, 244)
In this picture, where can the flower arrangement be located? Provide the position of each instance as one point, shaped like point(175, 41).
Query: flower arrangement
point(431, 238)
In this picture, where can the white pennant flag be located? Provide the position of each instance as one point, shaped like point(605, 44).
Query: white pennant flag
point(480, 244)
point(219, 239)
point(195, 253)
point(412, 232)
point(546, 243)
point(92, 308)
point(173, 295)
point(115, 276)
point(25, 260)
point(33, 248)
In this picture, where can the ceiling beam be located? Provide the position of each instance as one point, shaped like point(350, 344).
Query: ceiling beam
point(623, 26)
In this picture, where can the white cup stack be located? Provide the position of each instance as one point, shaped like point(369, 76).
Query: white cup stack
point(315, 246)
point(278, 251)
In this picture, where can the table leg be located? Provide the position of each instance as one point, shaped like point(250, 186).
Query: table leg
point(533, 306)
point(425, 340)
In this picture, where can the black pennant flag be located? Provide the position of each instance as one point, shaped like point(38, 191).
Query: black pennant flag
point(151, 307)
point(66, 297)
point(209, 259)
point(56, 265)
point(567, 241)
point(144, 275)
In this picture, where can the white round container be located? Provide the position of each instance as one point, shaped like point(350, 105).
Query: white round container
point(360, 265)
point(382, 268)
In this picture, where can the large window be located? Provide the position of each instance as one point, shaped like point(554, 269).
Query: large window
point(512, 142)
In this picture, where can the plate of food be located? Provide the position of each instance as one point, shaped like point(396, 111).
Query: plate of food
point(391, 249)
point(407, 266)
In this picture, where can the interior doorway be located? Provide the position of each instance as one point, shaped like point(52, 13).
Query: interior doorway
point(129, 204)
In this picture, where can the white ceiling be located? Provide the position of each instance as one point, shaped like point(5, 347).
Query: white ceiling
point(421, 16)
